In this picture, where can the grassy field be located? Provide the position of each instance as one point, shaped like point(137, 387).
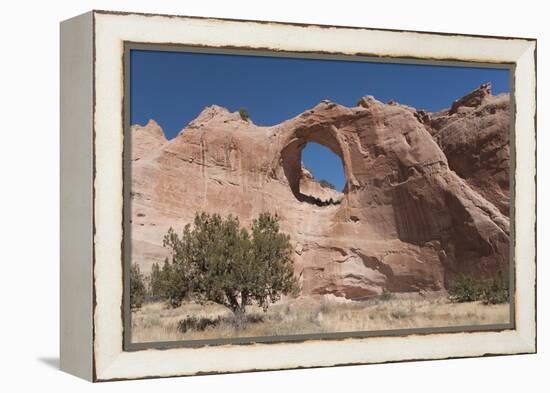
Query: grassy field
point(158, 322)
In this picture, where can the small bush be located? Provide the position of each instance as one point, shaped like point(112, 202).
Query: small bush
point(244, 114)
point(203, 323)
point(385, 295)
point(199, 324)
point(239, 322)
point(489, 290)
point(465, 288)
point(254, 318)
point(399, 314)
point(326, 184)
point(325, 306)
point(496, 290)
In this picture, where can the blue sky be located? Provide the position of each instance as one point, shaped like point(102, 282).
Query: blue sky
point(173, 88)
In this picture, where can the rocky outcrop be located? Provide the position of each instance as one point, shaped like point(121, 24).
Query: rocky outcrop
point(408, 219)
point(146, 140)
point(475, 137)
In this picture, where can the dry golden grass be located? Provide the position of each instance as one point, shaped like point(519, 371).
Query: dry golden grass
point(157, 322)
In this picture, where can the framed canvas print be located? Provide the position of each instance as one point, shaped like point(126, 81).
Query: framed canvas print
point(246, 195)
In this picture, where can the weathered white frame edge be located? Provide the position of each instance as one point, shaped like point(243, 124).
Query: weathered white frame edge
point(76, 193)
point(111, 30)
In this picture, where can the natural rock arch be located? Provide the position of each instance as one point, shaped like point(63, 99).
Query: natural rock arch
point(291, 159)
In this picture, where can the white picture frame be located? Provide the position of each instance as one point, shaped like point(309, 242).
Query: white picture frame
point(92, 141)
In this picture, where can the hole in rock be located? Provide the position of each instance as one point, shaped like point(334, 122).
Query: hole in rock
point(319, 176)
point(313, 163)
point(324, 166)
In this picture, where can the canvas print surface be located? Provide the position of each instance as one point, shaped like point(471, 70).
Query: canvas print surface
point(280, 197)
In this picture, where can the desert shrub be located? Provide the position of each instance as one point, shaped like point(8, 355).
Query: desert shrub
point(324, 306)
point(254, 318)
point(203, 323)
point(385, 295)
point(198, 324)
point(496, 290)
point(243, 112)
point(217, 260)
point(137, 287)
point(489, 290)
point(238, 322)
point(399, 314)
point(465, 288)
point(326, 184)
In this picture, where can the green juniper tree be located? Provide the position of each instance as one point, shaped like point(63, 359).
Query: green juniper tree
point(155, 283)
point(137, 287)
point(217, 260)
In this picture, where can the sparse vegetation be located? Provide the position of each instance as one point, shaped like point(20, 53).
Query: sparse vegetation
point(496, 290)
point(464, 288)
point(200, 324)
point(137, 287)
point(155, 281)
point(385, 295)
point(326, 184)
point(218, 261)
point(197, 323)
point(158, 322)
point(489, 290)
point(243, 112)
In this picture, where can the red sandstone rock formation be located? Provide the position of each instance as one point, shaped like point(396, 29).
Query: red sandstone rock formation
point(418, 207)
point(475, 136)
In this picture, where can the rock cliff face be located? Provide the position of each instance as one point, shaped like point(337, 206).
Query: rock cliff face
point(426, 194)
point(475, 136)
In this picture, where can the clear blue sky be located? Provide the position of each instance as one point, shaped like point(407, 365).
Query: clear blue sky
point(173, 88)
